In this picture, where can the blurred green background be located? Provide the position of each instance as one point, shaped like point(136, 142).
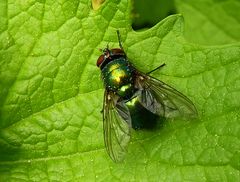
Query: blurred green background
point(148, 13)
point(207, 22)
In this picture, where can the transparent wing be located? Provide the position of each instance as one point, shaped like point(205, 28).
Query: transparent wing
point(162, 99)
point(116, 125)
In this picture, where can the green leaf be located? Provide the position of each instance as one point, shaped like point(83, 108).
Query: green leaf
point(51, 97)
point(211, 22)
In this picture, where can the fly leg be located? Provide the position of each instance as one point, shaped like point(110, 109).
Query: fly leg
point(119, 39)
point(148, 73)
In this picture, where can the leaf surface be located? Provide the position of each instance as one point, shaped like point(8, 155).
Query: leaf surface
point(51, 97)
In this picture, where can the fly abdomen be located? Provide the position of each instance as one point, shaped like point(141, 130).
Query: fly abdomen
point(141, 117)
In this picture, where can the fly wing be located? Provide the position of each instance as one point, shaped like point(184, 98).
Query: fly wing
point(116, 125)
point(162, 99)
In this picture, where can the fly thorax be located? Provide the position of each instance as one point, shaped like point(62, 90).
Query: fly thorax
point(126, 91)
point(117, 76)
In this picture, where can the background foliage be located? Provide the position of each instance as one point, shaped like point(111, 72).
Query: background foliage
point(51, 91)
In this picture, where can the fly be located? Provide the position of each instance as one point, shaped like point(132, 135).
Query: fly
point(134, 99)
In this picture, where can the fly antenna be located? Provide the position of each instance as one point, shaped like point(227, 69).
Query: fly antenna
point(119, 39)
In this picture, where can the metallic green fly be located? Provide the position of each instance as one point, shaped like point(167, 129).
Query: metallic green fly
point(134, 99)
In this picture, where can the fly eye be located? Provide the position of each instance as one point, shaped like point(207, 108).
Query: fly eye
point(100, 60)
point(117, 51)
